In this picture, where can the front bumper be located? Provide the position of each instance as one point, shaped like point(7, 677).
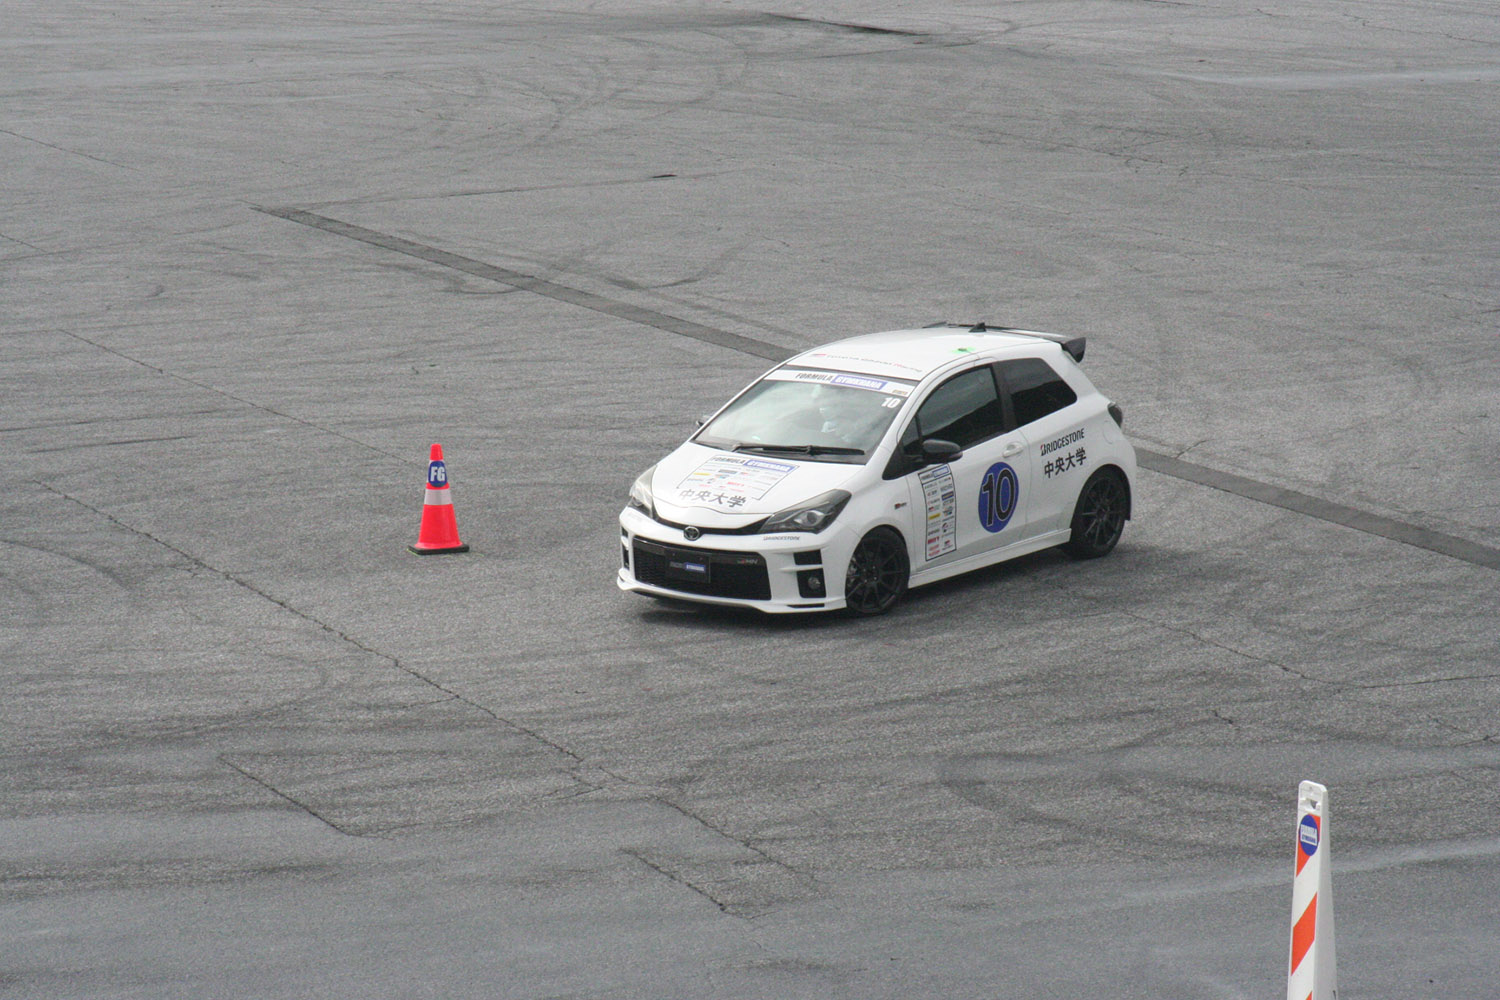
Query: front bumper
point(779, 574)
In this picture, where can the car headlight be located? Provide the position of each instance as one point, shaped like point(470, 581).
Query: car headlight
point(815, 515)
point(640, 494)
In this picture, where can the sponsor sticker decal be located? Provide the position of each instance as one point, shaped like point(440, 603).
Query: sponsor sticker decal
point(1063, 441)
point(888, 386)
point(1062, 463)
point(941, 498)
point(728, 482)
point(1307, 835)
point(1075, 459)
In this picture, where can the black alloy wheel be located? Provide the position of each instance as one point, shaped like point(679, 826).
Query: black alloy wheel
point(1099, 517)
point(877, 575)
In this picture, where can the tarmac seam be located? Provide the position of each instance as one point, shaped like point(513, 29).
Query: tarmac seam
point(531, 283)
point(1323, 510)
point(1241, 486)
point(341, 636)
point(449, 694)
point(676, 877)
point(1242, 654)
point(728, 836)
point(292, 799)
point(228, 395)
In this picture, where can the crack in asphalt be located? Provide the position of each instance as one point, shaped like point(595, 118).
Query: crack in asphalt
point(227, 395)
point(577, 771)
point(531, 283)
point(1323, 510)
point(71, 152)
point(1459, 678)
point(1305, 504)
point(448, 693)
point(286, 606)
point(677, 877)
point(110, 444)
point(294, 800)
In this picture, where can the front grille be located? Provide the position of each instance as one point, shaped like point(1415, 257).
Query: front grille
point(709, 572)
point(749, 529)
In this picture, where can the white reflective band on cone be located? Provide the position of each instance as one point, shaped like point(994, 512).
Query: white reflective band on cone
point(442, 496)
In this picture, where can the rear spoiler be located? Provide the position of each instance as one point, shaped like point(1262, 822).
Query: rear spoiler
point(1073, 345)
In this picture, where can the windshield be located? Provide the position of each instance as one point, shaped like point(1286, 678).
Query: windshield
point(826, 416)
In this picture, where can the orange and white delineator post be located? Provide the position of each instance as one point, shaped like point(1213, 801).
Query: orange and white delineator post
point(1314, 972)
point(439, 532)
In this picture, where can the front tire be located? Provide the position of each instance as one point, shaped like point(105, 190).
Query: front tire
point(1099, 516)
point(878, 572)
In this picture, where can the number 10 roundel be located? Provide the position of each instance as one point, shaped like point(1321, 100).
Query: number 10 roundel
point(998, 493)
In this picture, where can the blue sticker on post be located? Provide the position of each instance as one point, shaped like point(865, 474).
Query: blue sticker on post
point(998, 493)
point(1307, 835)
point(437, 475)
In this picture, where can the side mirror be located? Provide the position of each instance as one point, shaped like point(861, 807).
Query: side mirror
point(936, 451)
point(702, 420)
point(914, 456)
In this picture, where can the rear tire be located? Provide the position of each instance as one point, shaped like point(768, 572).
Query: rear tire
point(878, 572)
point(1099, 516)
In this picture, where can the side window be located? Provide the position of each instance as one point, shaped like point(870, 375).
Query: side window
point(1035, 389)
point(965, 409)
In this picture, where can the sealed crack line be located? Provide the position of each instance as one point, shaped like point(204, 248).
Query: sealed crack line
point(110, 444)
point(676, 877)
point(1323, 510)
point(578, 763)
point(343, 637)
point(295, 801)
point(227, 395)
point(531, 283)
point(1167, 465)
point(737, 841)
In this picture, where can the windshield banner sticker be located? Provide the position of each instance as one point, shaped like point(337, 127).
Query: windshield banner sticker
point(941, 498)
point(730, 481)
point(868, 361)
point(887, 386)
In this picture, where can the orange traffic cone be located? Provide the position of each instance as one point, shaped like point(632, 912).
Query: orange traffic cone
point(439, 532)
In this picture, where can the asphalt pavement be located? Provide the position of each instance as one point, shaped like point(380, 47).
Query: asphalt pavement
point(255, 259)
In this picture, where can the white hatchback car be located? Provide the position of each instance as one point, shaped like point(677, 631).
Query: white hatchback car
point(853, 471)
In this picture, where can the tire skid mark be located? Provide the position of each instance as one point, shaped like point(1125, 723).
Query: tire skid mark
point(540, 286)
point(595, 776)
point(227, 395)
point(1242, 486)
point(110, 444)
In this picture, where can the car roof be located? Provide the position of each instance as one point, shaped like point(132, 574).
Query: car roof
point(914, 354)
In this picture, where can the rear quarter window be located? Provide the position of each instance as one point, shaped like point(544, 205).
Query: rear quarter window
point(1035, 388)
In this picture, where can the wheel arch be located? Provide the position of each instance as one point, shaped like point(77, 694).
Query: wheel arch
point(1115, 469)
point(893, 540)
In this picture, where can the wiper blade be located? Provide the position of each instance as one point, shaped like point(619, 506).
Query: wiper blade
point(801, 449)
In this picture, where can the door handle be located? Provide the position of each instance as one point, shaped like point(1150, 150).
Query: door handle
point(1012, 449)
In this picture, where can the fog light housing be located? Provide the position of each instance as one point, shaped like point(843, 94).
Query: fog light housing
point(810, 583)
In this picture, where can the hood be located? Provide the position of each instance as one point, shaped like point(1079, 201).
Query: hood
point(722, 489)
